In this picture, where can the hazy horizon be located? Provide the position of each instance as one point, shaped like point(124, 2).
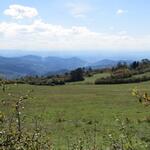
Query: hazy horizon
point(87, 56)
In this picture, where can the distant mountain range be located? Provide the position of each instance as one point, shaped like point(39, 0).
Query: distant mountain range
point(35, 65)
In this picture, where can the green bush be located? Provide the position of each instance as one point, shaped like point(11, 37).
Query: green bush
point(121, 74)
point(110, 80)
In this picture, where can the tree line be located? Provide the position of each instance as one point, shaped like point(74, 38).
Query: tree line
point(125, 73)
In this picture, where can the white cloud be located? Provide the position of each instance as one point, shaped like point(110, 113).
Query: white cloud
point(121, 12)
point(41, 35)
point(78, 10)
point(20, 12)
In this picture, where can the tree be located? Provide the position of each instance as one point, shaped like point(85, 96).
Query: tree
point(77, 75)
point(121, 65)
point(145, 61)
point(134, 65)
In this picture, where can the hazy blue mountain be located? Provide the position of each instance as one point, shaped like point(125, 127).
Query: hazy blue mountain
point(105, 63)
point(35, 65)
point(56, 63)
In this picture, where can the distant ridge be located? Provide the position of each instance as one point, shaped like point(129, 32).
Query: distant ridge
point(36, 65)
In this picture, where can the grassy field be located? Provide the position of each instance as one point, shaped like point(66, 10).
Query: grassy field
point(70, 109)
point(147, 74)
point(91, 80)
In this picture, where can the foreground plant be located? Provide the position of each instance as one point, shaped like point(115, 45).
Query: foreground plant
point(126, 137)
point(14, 135)
point(143, 97)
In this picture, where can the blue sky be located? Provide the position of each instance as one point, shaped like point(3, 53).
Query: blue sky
point(75, 25)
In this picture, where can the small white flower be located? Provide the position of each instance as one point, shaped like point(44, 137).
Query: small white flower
point(110, 135)
point(9, 94)
point(117, 119)
point(146, 145)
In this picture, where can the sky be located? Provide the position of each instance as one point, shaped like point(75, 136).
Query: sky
point(69, 26)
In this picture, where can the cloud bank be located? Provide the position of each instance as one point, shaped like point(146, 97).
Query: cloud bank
point(39, 35)
point(20, 12)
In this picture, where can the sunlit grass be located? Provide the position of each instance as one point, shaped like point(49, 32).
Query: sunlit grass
point(67, 110)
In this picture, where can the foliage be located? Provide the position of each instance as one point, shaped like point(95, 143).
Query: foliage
point(14, 135)
point(76, 75)
point(134, 65)
point(73, 76)
point(143, 98)
point(122, 81)
point(121, 74)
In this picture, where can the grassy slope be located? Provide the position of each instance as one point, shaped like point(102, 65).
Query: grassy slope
point(91, 80)
point(78, 105)
point(147, 74)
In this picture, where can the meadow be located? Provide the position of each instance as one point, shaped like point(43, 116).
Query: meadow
point(69, 111)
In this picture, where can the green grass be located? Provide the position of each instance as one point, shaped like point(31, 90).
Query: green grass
point(147, 74)
point(68, 110)
point(96, 76)
point(91, 80)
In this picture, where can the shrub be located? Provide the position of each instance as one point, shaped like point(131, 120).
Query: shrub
point(76, 75)
point(121, 73)
point(15, 136)
point(110, 80)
